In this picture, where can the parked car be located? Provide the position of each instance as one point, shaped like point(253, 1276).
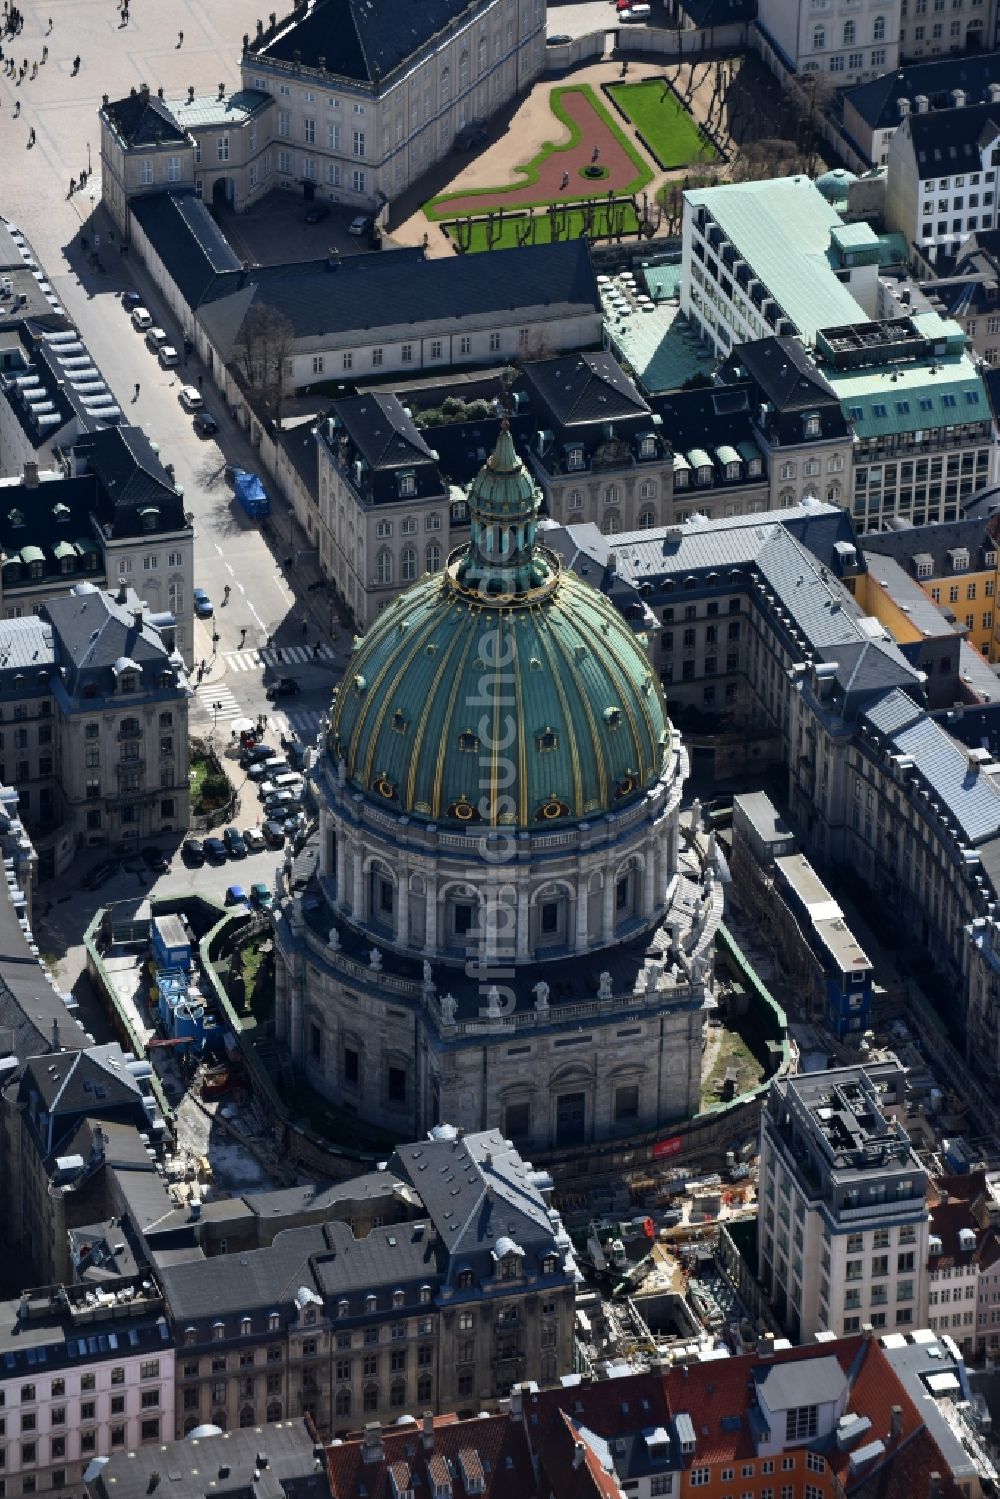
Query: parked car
point(261, 895)
point(256, 754)
point(284, 687)
point(131, 300)
point(317, 213)
point(101, 873)
point(193, 852)
point(254, 840)
point(236, 896)
point(203, 606)
point(288, 781)
point(190, 398)
point(168, 357)
point(235, 847)
point(257, 772)
point(274, 833)
point(156, 339)
point(360, 225)
point(471, 137)
point(155, 859)
point(557, 39)
point(205, 424)
point(142, 319)
point(215, 850)
point(637, 12)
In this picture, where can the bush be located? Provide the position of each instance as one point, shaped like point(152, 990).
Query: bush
point(216, 788)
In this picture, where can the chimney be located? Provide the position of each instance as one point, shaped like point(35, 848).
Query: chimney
point(578, 1454)
point(903, 106)
point(55, 1035)
point(517, 1402)
point(895, 1423)
point(372, 1450)
point(144, 90)
point(922, 104)
point(428, 1431)
point(30, 473)
point(138, 613)
point(934, 1485)
point(867, 1331)
point(994, 89)
point(958, 97)
point(765, 1346)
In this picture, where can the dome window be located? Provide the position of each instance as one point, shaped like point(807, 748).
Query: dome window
point(399, 723)
point(547, 740)
point(551, 810)
point(468, 742)
point(626, 785)
point(535, 664)
point(463, 810)
point(384, 787)
point(360, 685)
point(613, 717)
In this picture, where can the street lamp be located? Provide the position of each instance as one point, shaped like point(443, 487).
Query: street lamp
point(215, 641)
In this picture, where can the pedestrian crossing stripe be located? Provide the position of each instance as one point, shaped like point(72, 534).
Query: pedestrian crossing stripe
point(304, 723)
point(207, 696)
point(287, 655)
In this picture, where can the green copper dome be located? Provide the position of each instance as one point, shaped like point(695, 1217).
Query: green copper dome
point(502, 690)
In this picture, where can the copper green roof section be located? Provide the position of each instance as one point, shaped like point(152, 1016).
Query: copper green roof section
point(519, 707)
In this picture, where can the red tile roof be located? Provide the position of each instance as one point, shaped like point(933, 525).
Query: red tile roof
point(496, 1445)
point(571, 1466)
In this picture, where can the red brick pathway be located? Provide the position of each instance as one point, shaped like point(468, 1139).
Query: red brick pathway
point(548, 188)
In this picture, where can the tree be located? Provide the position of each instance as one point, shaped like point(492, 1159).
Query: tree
point(812, 95)
point(268, 342)
point(757, 160)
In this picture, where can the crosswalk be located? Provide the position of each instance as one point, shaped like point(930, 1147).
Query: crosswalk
point(304, 723)
point(207, 696)
point(286, 655)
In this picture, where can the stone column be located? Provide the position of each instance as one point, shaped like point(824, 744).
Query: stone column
point(403, 912)
point(523, 923)
point(430, 916)
point(649, 880)
point(582, 912)
point(341, 871)
point(609, 904)
point(357, 896)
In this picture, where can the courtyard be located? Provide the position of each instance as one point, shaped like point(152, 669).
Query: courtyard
point(663, 123)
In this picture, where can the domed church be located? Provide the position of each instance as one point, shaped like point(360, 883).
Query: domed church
point(509, 924)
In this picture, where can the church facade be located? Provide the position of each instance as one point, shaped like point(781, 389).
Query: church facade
point(511, 924)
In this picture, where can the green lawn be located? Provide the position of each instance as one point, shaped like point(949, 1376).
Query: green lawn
point(570, 224)
point(662, 120)
point(527, 174)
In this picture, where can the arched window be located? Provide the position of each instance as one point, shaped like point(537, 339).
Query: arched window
point(819, 38)
point(247, 1416)
point(274, 1410)
point(611, 524)
point(424, 1387)
point(850, 33)
point(647, 520)
point(445, 85)
point(481, 57)
point(433, 557)
point(408, 564)
point(342, 1403)
point(878, 29)
point(383, 567)
point(463, 71)
point(833, 494)
point(190, 1424)
point(574, 500)
point(397, 1394)
point(220, 1419)
point(370, 1398)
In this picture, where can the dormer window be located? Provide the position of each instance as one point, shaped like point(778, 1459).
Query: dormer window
point(407, 484)
point(468, 742)
point(812, 424)
point(549, 1265)
point(343, 1307)
point(465, 1280)
point(15, 518)
point(310, 1317)
point(755, 468)
point(149, 518)
point(647, 446)
point(370, 1303)
point(682, 478)
point(732, 470)
point(510, 1267)
point(398, 1298)
point(574, 457)
point(704, 473)
point(127, 681)
point(548, 739)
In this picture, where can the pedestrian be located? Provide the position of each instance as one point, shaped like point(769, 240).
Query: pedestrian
point(49, 32)
point(31, 137)
point(201, 381)
point(34, 71)
point(305, 627)
point(136, 396)
point(76, 65)
point(596, 154)
point(180, 38)
point(45, 54)
point(315, 650)
point(72, 187)
point(17, 108)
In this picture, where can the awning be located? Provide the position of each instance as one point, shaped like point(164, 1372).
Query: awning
point(32, 554)
point(64, 549)
point(726, 454)
point(698, 458)
point(680, 462)
point(750, 452)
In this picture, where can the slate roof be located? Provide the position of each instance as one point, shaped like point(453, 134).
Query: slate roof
point(719, 12)
point(72, 1085)
point(971, 801)
point(124, 463)
point(381, 430)
point(814, 1381)
point(142, 119)
point(583, 388)
point(95, 630)
point(188, 1463)
point(904, 590)
point(783, 370)
point(476, 1190)
point(187, 240)
point(29, 1005)
point(399, 289)
point(946, 141)
point(877, 102)
point(935, 542)
point(364, 40)
point(865, 669)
